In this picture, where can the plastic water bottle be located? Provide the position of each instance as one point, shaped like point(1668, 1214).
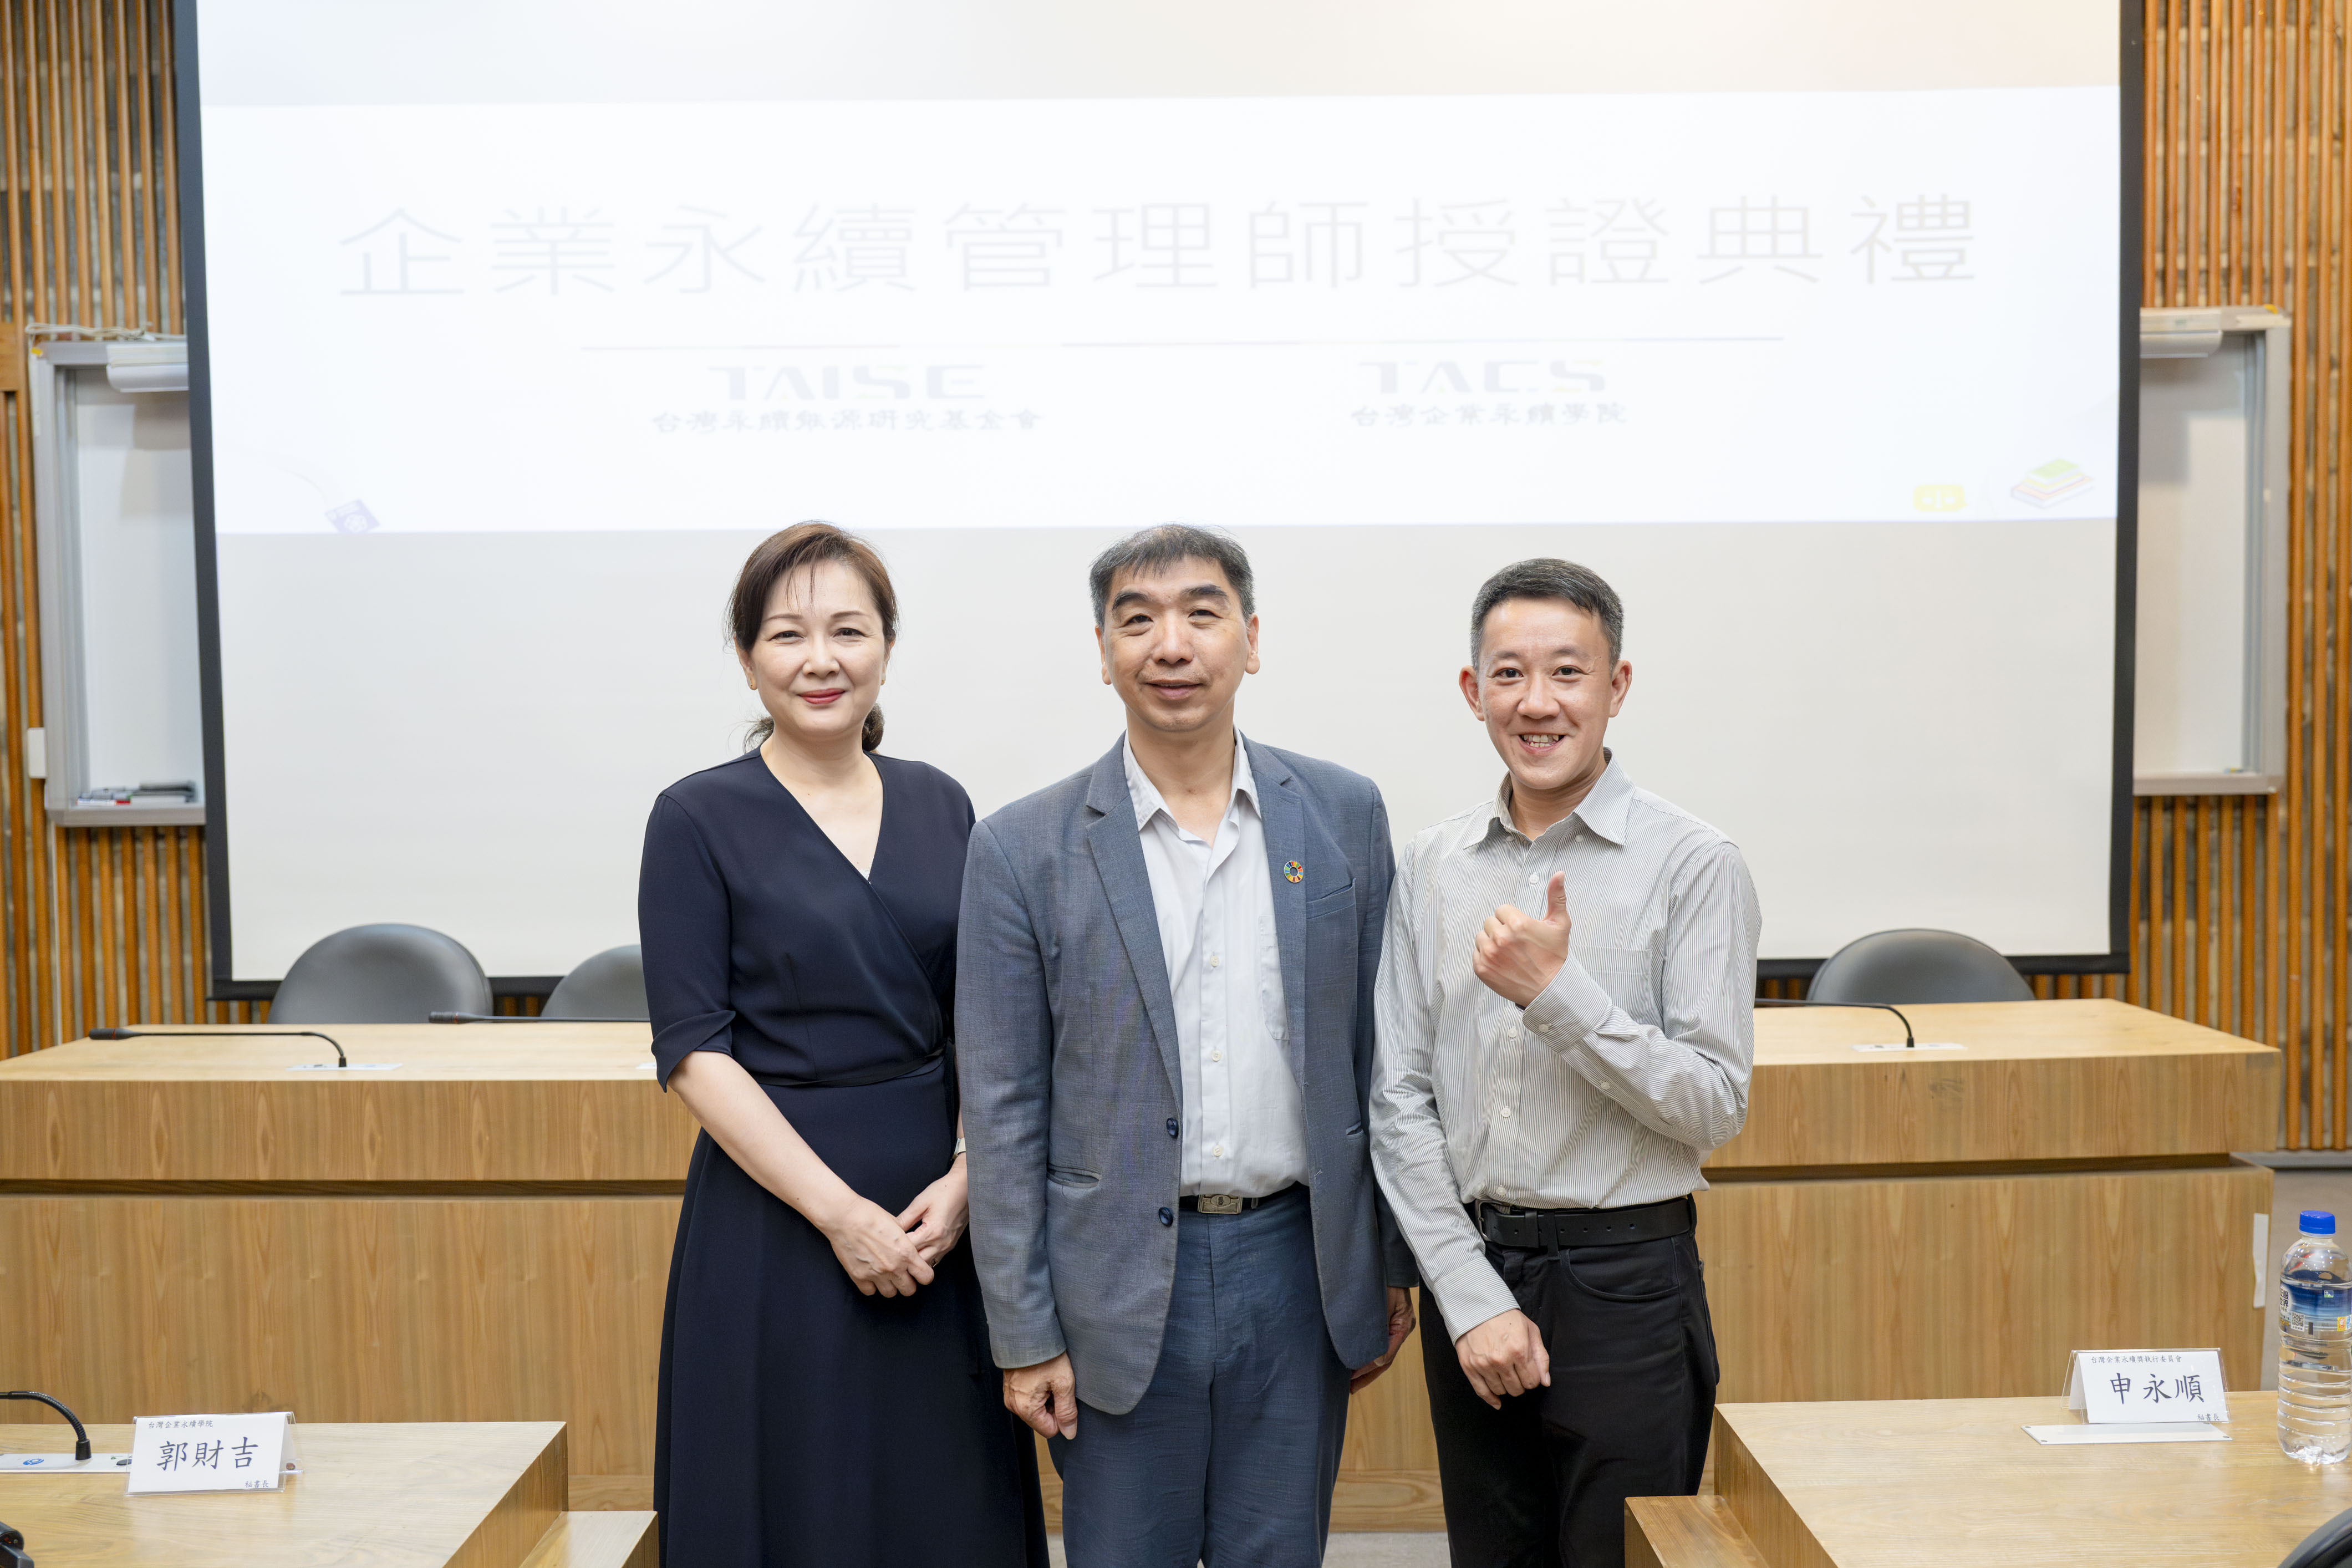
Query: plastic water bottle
point(2315, 1382)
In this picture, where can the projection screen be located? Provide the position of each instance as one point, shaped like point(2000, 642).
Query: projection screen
point(515, 324)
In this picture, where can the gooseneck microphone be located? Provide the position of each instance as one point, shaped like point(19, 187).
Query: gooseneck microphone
point(340, 1059)
point(1909, 1042)
point(516, 1018)
point(81, 1434)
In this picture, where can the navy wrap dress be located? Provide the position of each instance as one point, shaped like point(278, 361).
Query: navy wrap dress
point(800, 1421)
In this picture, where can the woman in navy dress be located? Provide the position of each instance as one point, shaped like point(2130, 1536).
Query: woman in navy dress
point(826, 1394)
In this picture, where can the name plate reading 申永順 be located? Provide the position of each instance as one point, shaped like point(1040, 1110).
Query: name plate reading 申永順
point(2146, 1387)
point(212, 1453)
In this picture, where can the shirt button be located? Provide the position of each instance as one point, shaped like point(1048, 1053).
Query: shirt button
point(1533, 878)
point(1167, 1216)
point(1212, 960)
point(1507, 1113)
point(1218, 1150)
point(1510, 1033)
point(1217, 1055)
point(1580, 838)
point(1173, 1131)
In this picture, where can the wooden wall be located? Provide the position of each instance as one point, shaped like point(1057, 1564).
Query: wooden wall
point(2242, 903)
point(105, 926)
point(2238, 903)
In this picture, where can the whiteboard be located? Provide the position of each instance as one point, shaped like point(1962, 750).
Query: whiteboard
point(2210, 642)
point(117, 520)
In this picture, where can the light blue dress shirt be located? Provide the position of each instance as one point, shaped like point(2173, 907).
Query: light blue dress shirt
point(1244, 1126)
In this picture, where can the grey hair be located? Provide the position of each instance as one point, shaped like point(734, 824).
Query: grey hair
point(1546, 577)
point(1165, 545)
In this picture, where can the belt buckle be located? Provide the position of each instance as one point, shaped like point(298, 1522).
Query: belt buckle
point(1218, 1203)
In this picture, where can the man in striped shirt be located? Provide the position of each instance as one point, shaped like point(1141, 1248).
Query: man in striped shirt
point(1565, 1024)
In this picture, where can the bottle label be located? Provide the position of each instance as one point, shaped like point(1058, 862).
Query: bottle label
point(2316, 1308)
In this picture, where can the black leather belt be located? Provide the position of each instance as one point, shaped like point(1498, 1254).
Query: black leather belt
point(1504, 1225)
point(1217, 1203)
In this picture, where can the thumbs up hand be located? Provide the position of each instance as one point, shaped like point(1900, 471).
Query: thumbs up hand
point(1517, 954)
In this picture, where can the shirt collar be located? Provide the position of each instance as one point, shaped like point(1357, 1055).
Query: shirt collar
point(1147, 797)
point(1601, 811)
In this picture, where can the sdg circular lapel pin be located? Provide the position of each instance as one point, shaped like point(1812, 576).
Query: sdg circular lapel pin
point(1292, 871)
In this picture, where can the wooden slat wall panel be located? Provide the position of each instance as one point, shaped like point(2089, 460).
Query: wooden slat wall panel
point(2239, 905)
point(96, 926)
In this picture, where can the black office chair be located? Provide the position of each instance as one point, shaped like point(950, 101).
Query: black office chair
point(2329, 1546)
point(380, 975)
point(611, 984)
point(1917, 966)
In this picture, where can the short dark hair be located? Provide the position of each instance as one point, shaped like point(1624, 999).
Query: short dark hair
point(1547, 578)
point(798, 548)
point(1165, 545)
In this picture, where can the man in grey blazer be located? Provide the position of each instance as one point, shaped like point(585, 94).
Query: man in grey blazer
point(1164, 1044)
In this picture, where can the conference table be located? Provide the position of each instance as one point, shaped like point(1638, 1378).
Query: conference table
point(473, 1223)
point(433, 1495)
point(1957, 1483)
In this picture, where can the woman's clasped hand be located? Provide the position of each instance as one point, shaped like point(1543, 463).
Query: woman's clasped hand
point(887, 1256)
point(877, 1254)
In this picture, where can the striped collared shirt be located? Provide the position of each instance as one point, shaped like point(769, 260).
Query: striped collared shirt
point(1613, 1084)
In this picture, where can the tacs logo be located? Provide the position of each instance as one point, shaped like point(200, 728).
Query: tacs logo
point(852, 382)
point(1502, 377)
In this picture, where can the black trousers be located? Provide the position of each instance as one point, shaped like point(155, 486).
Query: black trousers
point(1542, 1482)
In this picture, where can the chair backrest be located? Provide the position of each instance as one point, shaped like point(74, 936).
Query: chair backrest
point(611, 985)
point(380, 975)
point(1917, 966)
point(2329, 1546)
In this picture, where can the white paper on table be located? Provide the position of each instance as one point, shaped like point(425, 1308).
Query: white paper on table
point(2131, 1432)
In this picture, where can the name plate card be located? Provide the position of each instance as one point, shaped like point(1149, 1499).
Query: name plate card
point(212, 1453)
point(2146, 1387)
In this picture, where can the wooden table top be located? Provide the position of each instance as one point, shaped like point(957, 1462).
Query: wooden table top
point(1785, 1036)
point(561, 1051)
point(470, 1102)
point(1957, 1483)
point(2038, 1081)
point(2092, 1028)
point(477, 1495)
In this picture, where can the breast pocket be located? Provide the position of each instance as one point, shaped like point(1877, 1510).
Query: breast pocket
point(1628, 973)
point(1341, 900)
point(1331, 951)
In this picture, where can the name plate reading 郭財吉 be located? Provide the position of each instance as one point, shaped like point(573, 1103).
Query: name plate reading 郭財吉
point(212, 1453)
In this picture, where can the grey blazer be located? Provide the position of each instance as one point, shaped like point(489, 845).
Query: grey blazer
point(1066, 1058)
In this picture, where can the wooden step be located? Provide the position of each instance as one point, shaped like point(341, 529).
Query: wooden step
point(600, 1539)
point(1686, 1532)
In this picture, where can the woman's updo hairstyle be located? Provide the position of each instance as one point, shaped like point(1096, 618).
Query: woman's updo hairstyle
point(804, 545)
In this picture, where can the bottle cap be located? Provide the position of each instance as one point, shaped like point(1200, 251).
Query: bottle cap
point(2318, 1222)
